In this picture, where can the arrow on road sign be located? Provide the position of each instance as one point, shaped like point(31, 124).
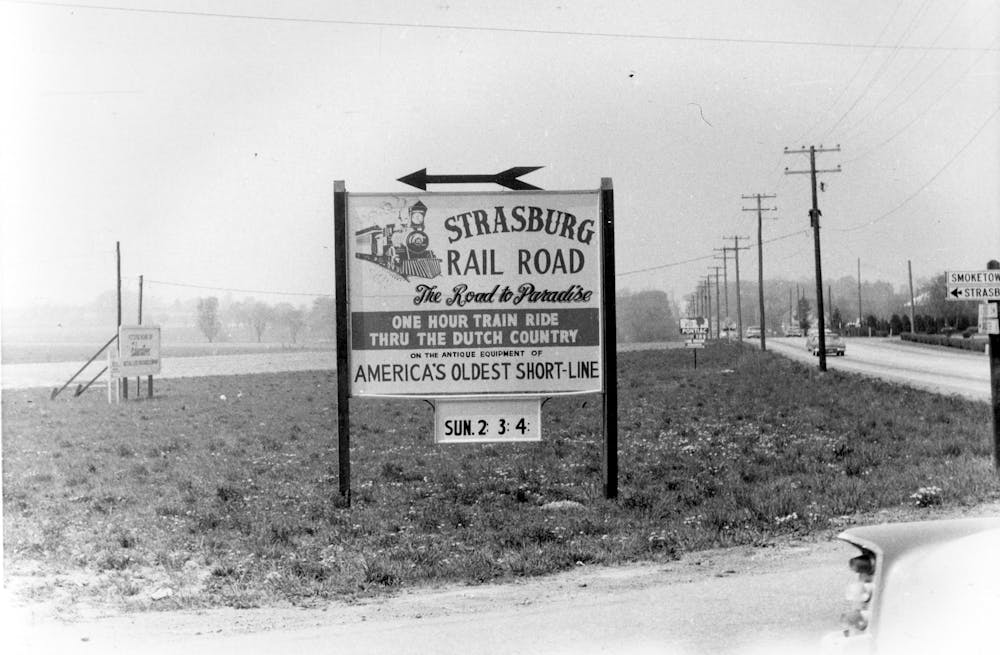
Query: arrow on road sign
point(975, 293)
point(507, 178)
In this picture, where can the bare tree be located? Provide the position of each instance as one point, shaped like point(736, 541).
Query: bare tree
point(208, 317)
point(293, 319)
point(261, 315)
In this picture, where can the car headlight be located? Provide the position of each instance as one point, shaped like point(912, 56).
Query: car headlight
point(859, 594)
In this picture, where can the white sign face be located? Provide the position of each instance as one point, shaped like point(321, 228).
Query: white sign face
point(973, 285)
point(694, 344)
point(474, 421)
point(475, 293)
point(988, 321)
point(139, 346)
point(693, 326)
point(974, 293)
point(989, 277)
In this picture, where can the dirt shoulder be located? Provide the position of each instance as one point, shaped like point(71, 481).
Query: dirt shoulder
point(44, 628)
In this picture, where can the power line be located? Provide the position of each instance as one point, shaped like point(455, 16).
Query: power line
point(698, 259)
point(928, 182)
point(920, 115)
point(857, 71)
point(863, 120)
point(478, 28)
point(208, 288)
point(885, 65)
point(662, 266)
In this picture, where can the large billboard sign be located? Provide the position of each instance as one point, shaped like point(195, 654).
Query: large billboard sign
point(455, 294)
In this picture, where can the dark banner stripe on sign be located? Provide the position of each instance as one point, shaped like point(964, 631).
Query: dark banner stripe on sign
point(492, 328)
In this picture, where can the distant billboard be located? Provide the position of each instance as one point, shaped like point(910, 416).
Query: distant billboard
point(139, 350)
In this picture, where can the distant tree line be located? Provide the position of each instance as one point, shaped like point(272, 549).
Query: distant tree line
point(253, 320)
point(883, 310)
point(645, 316)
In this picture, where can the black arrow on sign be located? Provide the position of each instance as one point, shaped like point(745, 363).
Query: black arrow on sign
point(507, 178)
point(956, 292)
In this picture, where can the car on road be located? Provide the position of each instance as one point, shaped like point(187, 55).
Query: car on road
point(753, 332)
point(922, 587)
point(793, 331)
point(834, 343)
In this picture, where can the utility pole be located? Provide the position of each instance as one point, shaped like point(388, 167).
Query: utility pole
point(913, 305)
point(118, 264)
point(138, 380)
point(790, 318)
point(814, 215)
point(760, 259)
point(708, 302)
point(859, 296)
point(725, 275)
point(718, 314)
point(739, 291)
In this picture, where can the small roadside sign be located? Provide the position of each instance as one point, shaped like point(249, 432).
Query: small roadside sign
point(139, 349)
point(694, 343)
point(482, 421)
point(989, 323)
point(694, 326)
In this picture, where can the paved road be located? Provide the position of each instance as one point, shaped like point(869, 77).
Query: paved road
point(22, 376)
point(942, 370)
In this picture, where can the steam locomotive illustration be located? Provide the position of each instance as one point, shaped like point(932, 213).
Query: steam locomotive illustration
point(403, 247)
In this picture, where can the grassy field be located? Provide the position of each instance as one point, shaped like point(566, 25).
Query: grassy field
point(223, 491)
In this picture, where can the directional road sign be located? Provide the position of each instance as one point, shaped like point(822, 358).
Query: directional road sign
point(973, 278)
point(973, 285)
point(991, 292)
point(507, 178)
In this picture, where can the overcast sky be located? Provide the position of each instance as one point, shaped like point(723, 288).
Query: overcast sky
point(205, 136)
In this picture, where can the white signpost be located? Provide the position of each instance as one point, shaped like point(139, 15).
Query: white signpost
point(114, 377)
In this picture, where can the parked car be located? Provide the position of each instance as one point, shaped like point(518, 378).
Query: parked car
point(753, 332)
point(922, 587)
point(834, 343)
point(793, 331)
